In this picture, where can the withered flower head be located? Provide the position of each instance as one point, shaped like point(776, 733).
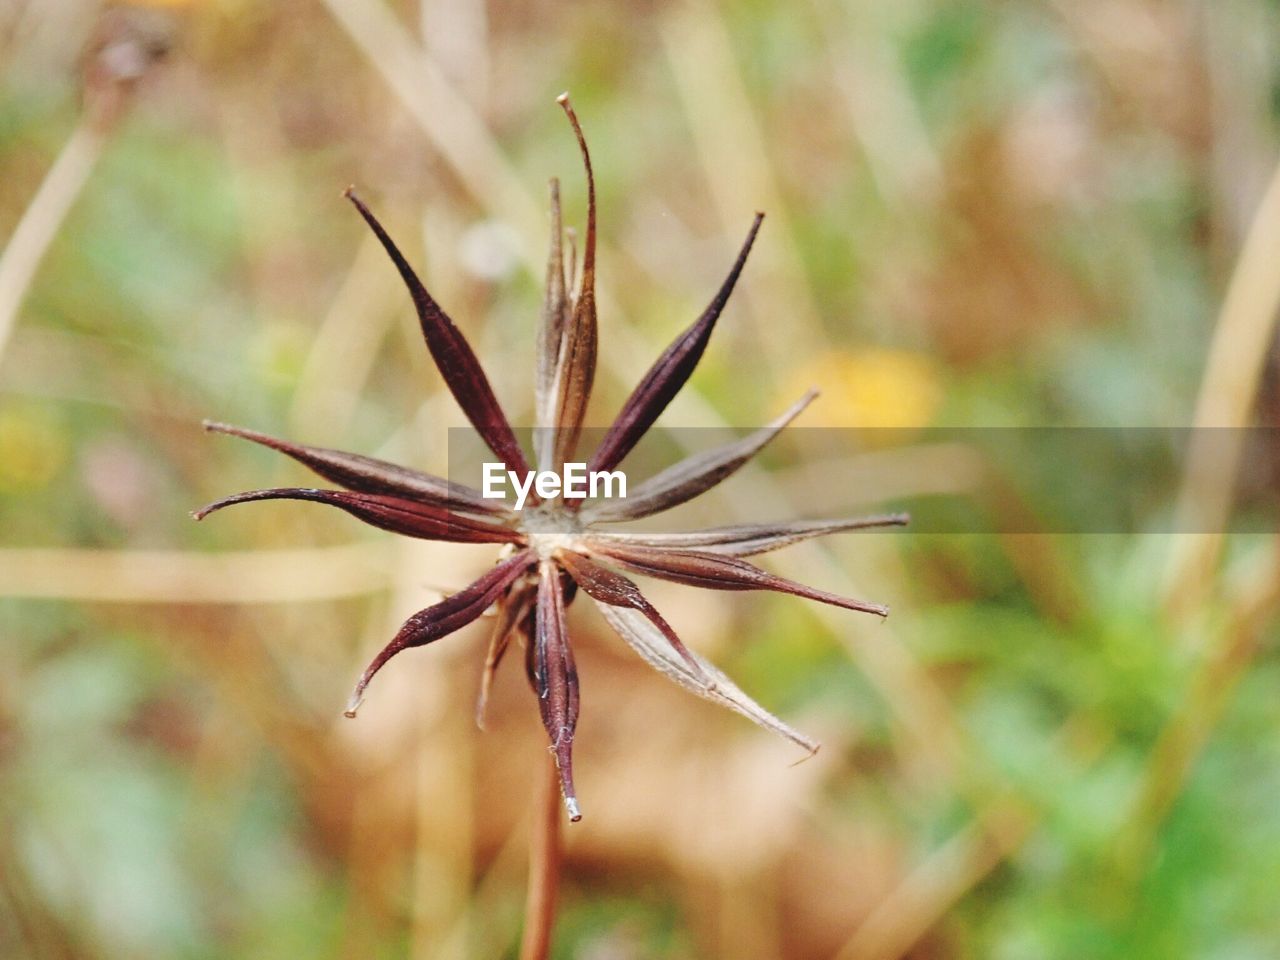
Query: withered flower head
point(555, 546)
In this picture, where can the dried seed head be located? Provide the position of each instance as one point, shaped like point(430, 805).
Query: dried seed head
point(548, 551)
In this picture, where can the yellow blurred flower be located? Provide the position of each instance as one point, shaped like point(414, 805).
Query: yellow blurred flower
point(871, 388)
point(32, 450)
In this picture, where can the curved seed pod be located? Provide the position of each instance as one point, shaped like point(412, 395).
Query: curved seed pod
point(692, 476)
point(453, 356)
point(450, 614)
point(576, 356)
point(748, 539)
point(602, 584)
point(718, 572)
point(669, 372)
point(513, 608)
point(412, 518)
point(647, 640)
point(370, 475)
point(556, 679)
point(555, 317)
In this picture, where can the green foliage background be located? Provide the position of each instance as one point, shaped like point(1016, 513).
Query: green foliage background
point(980, 214)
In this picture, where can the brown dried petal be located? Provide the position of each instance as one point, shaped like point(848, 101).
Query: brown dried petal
point(648, 641)
point(555, 313)
point(576, 365)
point(606, 586)
point(409, 517)
point(692, 476)
point(556, 679)
point(748, 539)
point(668, 373)
point(368, 475)
point(717, 572)
point(453, 356)
point(513, 607)
point(450, 614)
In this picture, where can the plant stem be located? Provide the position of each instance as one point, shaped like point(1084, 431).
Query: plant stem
point(42, 219)
point(1233, 371)
point(544, 868)
point(123, 48)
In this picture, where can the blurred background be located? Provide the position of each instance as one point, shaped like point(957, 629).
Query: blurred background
point(979, 214)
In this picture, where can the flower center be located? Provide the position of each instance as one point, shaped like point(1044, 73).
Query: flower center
point(544, 544)
point(548, 527)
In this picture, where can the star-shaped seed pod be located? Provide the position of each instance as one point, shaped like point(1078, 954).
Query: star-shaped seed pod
point(555, 546)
